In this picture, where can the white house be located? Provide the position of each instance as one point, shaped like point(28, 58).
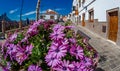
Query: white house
point(99, 16)
point(50, 14)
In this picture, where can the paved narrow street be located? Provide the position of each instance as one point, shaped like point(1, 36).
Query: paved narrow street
point(108, 51)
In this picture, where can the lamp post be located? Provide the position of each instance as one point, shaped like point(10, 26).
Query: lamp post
point(37, 10)
point(20, 23)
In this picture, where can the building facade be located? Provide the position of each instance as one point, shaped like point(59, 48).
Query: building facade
point(49, 15)
point(99, 16)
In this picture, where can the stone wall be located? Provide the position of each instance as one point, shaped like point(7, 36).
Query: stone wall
point(97, 27)
point(118, 36)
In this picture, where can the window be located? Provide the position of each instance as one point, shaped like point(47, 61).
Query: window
point(79, 19)
point(104, 29)
point(79, 3)
point(41, 17)
point(83, 1)
point(70, 15)
point(51, 17)
point(91, 15)
point(77, 7)
point(74, 8)
point(83, 19)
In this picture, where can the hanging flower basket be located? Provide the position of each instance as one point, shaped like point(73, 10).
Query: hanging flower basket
point(47, 46)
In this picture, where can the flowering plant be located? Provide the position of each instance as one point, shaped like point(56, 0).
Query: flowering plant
point(47, 46)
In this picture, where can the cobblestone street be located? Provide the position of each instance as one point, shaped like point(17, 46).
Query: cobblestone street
point(109, 52)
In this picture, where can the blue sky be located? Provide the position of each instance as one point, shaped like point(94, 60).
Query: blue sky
point(12, 7)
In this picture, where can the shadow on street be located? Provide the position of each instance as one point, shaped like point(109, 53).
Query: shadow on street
point(99, 69)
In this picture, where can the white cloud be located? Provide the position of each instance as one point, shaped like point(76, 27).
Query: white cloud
point(13, 11)
point(32, 18)
point(42, 11)
point(29, 13)
point(59, 9)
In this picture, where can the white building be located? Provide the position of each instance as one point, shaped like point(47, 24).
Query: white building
point(49, 15)
point(99, 16)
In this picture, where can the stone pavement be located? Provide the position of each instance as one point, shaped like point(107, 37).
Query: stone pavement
point(109, 52)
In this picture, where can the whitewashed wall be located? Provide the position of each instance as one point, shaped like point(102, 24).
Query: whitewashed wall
point(55, 17)
point(48, 17)
point(100, 7)
point(75, 2)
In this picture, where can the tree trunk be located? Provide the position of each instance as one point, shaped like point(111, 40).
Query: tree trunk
point(37, 10)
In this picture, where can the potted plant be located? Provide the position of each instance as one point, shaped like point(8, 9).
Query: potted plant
point(47, 46)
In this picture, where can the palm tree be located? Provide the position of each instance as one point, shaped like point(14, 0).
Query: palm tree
point(37, 10)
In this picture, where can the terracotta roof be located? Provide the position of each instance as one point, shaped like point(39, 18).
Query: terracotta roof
point(49, 11)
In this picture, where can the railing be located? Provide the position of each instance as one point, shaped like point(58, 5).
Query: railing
point(17, 29)
point(6, 27)
point(5, 35)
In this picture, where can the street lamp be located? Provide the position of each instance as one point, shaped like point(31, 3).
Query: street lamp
point(20, 23)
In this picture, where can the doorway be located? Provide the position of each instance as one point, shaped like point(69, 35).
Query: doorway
point(83, 19)
point(113, 25)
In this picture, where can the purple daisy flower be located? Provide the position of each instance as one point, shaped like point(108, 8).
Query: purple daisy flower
point(77, 66)
point(65, 41)
point(70, 27)
point(20, 57)
point(64, 66)
point(52, 61)
point(29, 49)
point(85, 40)
point(33, 30)
point(72, 40)
point(13, 37)
point(34, 68)
point(37, 23)
point(88, 69)
point(8, 67)
point(87, 61)
point(58, 28)
point(25, 39)
point(77, 51)
point(46, 26)
point(5, 69)
point(4, 47)
point(12, 50)
point(57, 35)
point(58, 51)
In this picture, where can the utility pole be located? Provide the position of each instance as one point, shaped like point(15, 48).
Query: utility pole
point(37, 10)
point(20, 23)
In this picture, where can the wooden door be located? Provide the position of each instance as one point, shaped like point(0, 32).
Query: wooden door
point(83, 19)
point(113, 25)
